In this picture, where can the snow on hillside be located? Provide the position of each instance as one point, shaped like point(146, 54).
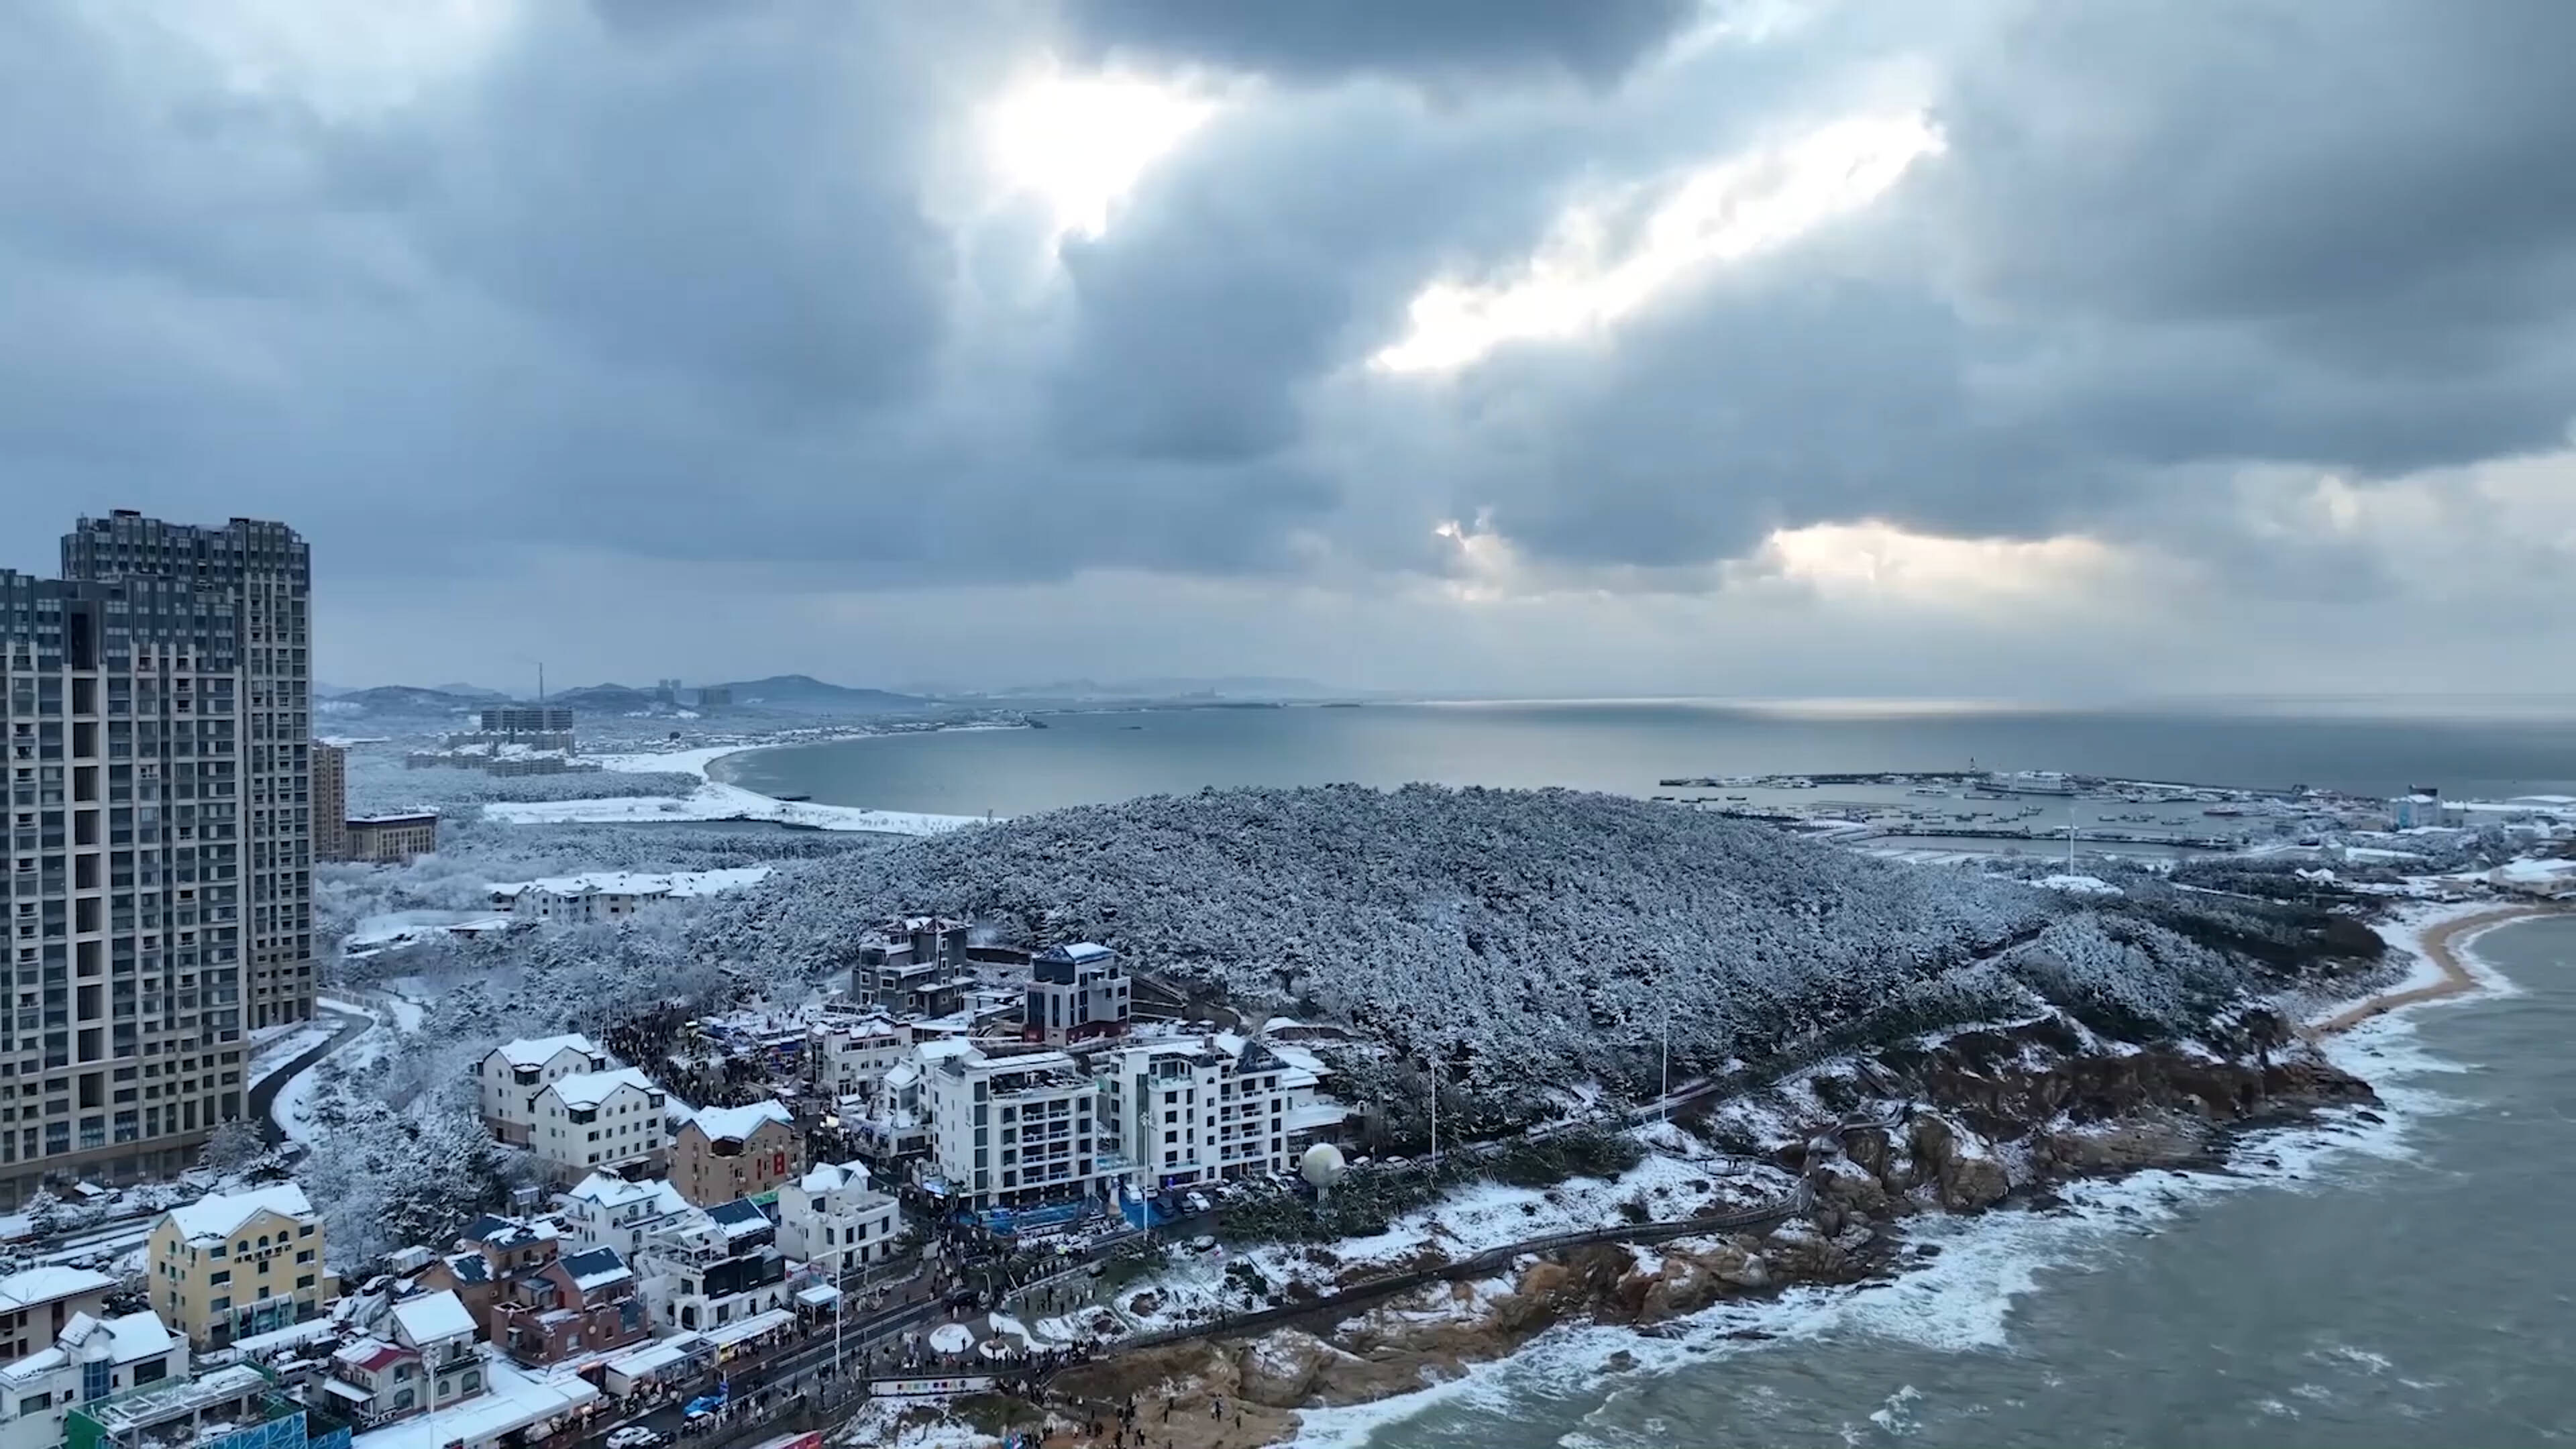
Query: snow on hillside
point(1529, 938)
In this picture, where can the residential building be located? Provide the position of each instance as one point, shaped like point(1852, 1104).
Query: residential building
point(912, 966)
point(606, 1211)
point(489, 1252)
point(390, 839)
point(833, 1218)
point(155, 885)
point(228, 1408)
point(330, 801)
point(520, 720)
point(263, 573)
point(428, 1360)
point(1201, 1109)
point(1076, 993)
point(236, 1264)
point(36, 1304)
point(849, 1054)
point(613, 1121)
point(715, 696)
point(723, 1153)
point(509, 1077)
point(611, 895)
point(714, 1267)
point(90, 1360)
point(1012, 1131)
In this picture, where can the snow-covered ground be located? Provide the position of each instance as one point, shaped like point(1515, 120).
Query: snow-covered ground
point(712, 801)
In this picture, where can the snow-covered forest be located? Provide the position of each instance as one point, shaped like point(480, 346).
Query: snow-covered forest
point(1528, 939)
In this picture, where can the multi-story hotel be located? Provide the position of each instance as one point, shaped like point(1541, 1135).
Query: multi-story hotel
point(155, 705)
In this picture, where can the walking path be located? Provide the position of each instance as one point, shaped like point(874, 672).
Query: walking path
point(2438, 947)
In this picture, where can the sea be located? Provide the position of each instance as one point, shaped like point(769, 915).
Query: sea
point(2491, 749)
point(2401, 1277)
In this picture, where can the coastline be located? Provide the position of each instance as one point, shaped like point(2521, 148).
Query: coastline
point(715, 799)
point(2441, 943)
point(1986, 1259)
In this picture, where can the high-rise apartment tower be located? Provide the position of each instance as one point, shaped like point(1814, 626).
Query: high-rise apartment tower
point(157, 882)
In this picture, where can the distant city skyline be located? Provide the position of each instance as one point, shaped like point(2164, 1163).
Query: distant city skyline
point(1747, 347)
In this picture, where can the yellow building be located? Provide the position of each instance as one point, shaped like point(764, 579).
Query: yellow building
point(237, 1264)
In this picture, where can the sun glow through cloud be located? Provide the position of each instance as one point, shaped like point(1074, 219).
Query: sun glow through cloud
point(1579, 283)
point(1082, 142)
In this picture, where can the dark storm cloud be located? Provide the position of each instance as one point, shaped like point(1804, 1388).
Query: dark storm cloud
point(1593, 39)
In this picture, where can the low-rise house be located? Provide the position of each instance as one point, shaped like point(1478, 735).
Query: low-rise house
point(1076, 993)
point(568, 1306)
point(37, 1303)
point(490, 1251)
point(91, 1359)
point(833, 1218)
point(236, 1264)
point(427, 1361)
point(912, 966)
point(508, 1079)
point(714, 1267)
point(227, 1408)
point(611, 1212)
point(851, 1055)
point(615, 1121)
point(723, 1153)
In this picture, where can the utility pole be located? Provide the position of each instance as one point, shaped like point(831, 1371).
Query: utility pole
point(1664, 1103)
point(1434, 1064)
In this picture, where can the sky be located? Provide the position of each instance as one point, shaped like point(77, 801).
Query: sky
point(2001, 348)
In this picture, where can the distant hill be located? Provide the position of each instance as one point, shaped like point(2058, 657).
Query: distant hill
point(805, 692)
point(603, 699)
point(392, 699)
point(470, 691)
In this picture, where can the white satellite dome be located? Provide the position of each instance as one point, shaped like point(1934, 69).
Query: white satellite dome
point(1322, 1165)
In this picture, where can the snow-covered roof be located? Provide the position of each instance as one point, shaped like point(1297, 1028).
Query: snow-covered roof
point(32, 1287)
point(1315, 1114)
point(617, 1192)
point(678, 883)
point(597, 1268)
point(219, 1216)
point(1077, 952)
point(515, 1399)
point(902, 1075)
point(589, 1089)
point(537, 1051)
point(738, 1218)
point(833, 1176)
point(433, 1316)
point(132, 1337)
point(405, 817)
point(500, 1232)
point(370, 1354)
point(736, 1124)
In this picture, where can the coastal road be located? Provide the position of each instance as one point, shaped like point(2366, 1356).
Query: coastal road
point(263, 1093)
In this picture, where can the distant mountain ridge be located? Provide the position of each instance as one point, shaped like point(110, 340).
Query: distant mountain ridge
point(793, 693)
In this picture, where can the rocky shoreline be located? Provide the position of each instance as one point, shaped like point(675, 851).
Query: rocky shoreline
point(1984, 1120)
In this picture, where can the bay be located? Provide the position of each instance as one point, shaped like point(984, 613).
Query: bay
point(1627, 746)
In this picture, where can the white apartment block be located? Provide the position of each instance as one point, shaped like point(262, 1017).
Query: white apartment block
point(508, 1079)
point(847, 1055)
point(91, 1359)
point(615, 1121)
point(1201, 1109)
point(1012, 1131)
point(606, 1211)
point(614, 895)
point(833, 1218)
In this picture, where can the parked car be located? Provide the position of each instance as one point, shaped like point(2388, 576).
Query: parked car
point(634, 1436)
point(1203, 1243)
point(1195, 1202)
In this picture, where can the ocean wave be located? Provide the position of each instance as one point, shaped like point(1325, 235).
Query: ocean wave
point(1962, 1299)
